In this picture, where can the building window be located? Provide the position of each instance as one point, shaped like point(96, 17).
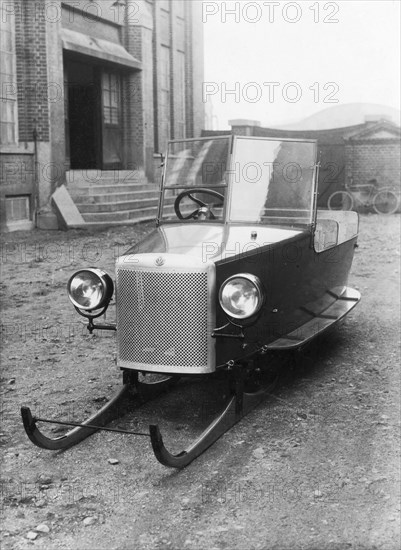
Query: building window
point(165, 107)
point(8, 87)
point(111, 98)
point(17, 208)
point(181, 99)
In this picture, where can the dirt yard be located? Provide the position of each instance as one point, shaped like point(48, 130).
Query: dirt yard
point(316, 466)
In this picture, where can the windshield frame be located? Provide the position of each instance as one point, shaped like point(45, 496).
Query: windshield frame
point(229, 184)
point(313, 183)
point(222, 220)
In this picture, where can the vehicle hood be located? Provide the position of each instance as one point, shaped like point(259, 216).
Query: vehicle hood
point(213, 242)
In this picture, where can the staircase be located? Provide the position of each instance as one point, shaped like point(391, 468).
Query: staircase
point(113, 197)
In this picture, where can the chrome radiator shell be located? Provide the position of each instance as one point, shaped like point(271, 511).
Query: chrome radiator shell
point(165, 313)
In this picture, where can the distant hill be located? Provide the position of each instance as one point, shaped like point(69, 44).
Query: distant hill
point(349, 114)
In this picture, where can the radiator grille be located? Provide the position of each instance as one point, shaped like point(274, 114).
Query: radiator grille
point(162, 318)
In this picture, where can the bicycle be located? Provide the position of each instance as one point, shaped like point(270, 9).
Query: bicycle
point(383, 201)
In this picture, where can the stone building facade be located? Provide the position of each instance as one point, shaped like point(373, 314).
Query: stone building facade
point(92, 85)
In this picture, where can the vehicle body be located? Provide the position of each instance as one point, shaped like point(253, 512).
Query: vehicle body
point(240, 263)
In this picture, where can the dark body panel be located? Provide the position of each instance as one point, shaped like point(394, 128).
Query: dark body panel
point(296, 280)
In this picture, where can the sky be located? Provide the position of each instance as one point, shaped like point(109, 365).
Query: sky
point(284, 61)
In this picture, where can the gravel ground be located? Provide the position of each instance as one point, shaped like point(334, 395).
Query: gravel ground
point(316, 466)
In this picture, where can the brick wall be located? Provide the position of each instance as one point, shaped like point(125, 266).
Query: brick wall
point(32, 81)
point(374, 159)
point(16, 171)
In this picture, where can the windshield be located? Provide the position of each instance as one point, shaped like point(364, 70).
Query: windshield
point(272, 181)
point(194, 179)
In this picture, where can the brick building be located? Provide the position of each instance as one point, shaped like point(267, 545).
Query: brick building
point(349, 155)
point(91, 90)
point(373, 152)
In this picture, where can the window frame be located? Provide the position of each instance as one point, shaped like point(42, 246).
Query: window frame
point(8, 119)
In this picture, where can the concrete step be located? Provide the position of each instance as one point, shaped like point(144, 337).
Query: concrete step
point(116, 197)
point(106, 189)
point(143, 214)
point(139, 204)
point(89, 178)
point(100, 220)
point(110, 181)
point(113, 197)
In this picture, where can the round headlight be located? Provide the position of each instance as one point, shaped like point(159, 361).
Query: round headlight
point(90, 289)
point(241, 296)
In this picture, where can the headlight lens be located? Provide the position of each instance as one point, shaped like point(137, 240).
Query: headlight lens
point(241, 296)
point(90, 289)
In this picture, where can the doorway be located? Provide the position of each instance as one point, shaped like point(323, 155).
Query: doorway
point(93, 128)
point(82, 115)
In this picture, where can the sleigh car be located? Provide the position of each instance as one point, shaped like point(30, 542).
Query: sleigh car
point(241, 263)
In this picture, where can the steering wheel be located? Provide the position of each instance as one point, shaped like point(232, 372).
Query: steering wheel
point(204, 209)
